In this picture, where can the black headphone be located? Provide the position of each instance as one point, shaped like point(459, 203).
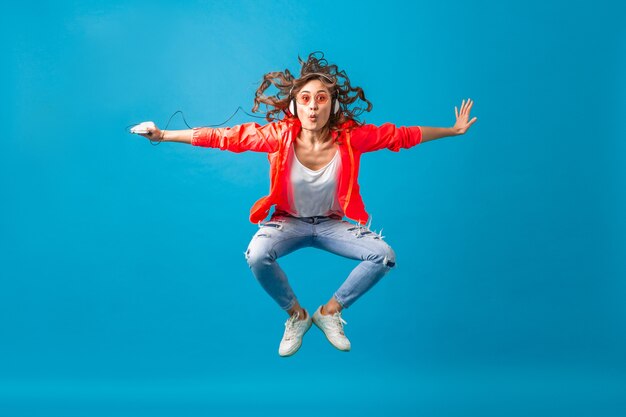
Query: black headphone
point(335, 101)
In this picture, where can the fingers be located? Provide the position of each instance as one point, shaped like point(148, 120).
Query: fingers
point(467, 105)
point(151, 133)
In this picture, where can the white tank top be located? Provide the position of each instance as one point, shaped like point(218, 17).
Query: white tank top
point(314, 193)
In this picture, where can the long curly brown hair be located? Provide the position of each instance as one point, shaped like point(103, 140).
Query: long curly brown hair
point(315, 67)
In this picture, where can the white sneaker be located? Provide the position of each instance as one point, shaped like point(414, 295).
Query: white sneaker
point(294, 331)
point(332, 326)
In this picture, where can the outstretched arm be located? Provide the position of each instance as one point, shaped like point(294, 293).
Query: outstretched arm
point(461, 126)
point(239, 138)
point(182, 136)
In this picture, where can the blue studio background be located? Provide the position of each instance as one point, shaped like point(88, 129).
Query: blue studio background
point(124, 290)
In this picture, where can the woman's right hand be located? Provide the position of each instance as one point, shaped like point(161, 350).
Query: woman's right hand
point(154, 133)
point(158, 135)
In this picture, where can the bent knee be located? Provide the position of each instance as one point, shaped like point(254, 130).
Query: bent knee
point(384, 255)
point(389, 257)
point(257, 257)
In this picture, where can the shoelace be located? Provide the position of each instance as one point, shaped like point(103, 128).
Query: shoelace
point(339, 321)
point(290, 328)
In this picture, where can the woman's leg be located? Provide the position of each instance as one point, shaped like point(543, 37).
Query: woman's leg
point(354, 242)
point(275, 238)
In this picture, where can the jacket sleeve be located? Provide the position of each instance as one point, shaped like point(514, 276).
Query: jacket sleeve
point(369, 138)
point(240, 138)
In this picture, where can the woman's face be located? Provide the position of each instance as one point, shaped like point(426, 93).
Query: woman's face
point(313, 103)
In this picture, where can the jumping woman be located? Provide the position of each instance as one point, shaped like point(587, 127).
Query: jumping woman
point(314, 144)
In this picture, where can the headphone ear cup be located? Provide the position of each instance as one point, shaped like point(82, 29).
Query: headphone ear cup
point(336, 107)
point(292, 107)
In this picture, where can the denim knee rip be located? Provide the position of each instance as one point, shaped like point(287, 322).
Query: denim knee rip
point(364, 230)
point(276, 224)
point(388, 262)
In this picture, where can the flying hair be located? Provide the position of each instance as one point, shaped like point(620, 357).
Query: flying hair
point(315, 67)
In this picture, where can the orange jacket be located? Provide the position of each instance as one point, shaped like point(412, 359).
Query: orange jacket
point(276, 139)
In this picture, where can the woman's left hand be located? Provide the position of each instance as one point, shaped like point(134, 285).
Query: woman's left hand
point(462, 117)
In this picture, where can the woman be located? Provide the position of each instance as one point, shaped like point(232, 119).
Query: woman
point(314, 154)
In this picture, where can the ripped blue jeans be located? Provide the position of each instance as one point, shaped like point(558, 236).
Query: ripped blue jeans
point(284, 234)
